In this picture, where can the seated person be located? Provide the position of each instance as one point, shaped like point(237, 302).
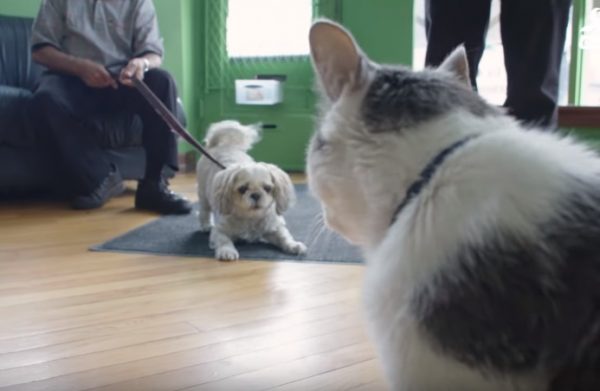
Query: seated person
point(78, 41)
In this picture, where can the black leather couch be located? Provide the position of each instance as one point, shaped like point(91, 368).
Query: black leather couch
point(23, 165)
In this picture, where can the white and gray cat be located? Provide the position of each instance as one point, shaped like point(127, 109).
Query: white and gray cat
point(482, 238)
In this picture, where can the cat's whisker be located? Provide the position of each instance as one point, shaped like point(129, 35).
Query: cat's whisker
point(317, 228)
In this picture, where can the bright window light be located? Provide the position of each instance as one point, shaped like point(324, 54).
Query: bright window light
point(268, 28)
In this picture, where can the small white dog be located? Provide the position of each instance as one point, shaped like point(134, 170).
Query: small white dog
point(247, 199)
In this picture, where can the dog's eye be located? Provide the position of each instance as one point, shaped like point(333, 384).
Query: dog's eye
point(243, 189)
point(268, 188)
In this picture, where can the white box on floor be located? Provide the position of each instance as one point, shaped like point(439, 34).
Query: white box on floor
point(258, 92)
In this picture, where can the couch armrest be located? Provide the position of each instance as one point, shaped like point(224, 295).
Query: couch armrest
point(14, 106)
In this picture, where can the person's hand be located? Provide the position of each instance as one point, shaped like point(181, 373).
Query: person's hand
point(95, 75)
point(135, 68)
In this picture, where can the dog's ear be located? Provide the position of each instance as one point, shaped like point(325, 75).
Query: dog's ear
point(283, 190)
point(223, 190)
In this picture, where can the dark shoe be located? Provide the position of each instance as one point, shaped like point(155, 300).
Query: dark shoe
point(110, 186)
point(156, 196)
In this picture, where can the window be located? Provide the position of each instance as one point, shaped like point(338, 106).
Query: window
point(491, 78)
point(268, 28)
point(589, 42)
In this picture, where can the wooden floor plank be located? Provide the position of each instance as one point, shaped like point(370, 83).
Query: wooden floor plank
point(348, 377)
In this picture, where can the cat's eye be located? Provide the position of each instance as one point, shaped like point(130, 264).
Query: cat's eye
point(268, 188)
point(242, 189)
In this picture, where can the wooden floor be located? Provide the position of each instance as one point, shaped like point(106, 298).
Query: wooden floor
point(71, 319)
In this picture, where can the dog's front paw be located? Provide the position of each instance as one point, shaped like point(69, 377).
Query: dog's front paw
point(227, 254)
point(296, 248)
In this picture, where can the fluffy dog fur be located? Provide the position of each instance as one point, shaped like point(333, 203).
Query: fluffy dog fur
point(247, 199)
point(489, 277)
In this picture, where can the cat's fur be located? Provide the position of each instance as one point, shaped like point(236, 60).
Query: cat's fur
point(489, 278)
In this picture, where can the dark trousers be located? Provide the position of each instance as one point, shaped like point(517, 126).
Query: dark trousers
point(533, 37)
point(64, 102)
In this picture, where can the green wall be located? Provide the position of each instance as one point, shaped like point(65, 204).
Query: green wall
point(590, 135)
point(19, 7)
point(383, 28)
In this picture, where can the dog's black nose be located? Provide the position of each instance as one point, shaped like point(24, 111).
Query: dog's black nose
point(255, 196)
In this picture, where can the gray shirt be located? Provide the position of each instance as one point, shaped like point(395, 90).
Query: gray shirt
point(106, 31)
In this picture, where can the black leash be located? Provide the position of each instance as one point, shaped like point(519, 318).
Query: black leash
point(170, 119)
point(163, 111)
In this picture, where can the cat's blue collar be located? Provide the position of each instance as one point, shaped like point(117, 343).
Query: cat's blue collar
point(428, 172)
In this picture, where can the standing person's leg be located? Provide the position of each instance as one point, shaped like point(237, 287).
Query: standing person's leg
point(63, 103)
point(160, 144)
point(533, 36)
point(450, 23)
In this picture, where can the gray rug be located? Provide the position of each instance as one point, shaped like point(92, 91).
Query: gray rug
point(179, 235)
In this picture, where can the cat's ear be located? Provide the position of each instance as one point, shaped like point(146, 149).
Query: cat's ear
point(335, 56)
point(457, 64)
